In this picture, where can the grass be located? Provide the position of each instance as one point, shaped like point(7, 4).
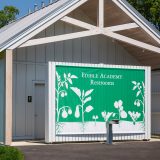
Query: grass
point(10, 153)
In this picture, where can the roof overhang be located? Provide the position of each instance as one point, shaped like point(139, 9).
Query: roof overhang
point(116, 13)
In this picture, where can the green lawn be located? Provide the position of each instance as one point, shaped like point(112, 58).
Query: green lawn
point(10, 153)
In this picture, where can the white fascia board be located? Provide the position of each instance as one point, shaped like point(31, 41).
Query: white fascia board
point(133, 16)
point(31, 32)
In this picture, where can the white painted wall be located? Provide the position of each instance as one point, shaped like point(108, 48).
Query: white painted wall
point(156, 102)
point(1, 100)
point(30, 64)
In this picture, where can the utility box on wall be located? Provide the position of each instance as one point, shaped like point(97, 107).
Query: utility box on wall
point(83, 97)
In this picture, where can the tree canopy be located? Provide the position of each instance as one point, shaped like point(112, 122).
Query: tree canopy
point(7, 15)
point(150, 9)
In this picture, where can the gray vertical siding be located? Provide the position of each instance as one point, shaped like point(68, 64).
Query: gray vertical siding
point(30, 65)
point(155, 103)
point(1, 100)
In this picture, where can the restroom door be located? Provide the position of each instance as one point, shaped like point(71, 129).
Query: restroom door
point(39, 111)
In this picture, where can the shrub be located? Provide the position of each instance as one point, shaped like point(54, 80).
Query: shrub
point(10, 153)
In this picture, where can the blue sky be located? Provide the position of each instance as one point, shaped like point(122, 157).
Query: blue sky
point(22, 5)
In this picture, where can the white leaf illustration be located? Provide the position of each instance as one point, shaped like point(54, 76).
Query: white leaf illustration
point(66, 85)
point(134, 88)
point(62, 94)
point(138, 93)
point(114, 115)
point(123, 114)
point(138, 115)
point(77, 113)
point(103, 114)
point(130, 113)
point(69, 75)
point(89, 108)
point(120, 102)
point(77, 91)
point(58, 77)
point(96, 117)
point(116, 105)
point(87, 99)
point(88, 92)
point(83, 93)
point(108, 115)
point(65, 76)
point(134, 82)
point(73, 76)
point(143, 84)
point(70, 80)
point(93, 117)
point(121, 108)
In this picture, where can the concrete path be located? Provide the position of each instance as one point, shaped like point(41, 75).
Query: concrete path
point(94, 151)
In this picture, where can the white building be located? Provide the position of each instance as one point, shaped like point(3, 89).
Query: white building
point(78, 31)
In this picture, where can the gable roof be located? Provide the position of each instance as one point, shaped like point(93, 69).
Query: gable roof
point(24, 27)
point(11, 33)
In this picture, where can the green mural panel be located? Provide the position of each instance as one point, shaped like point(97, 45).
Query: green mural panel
point(85, 94)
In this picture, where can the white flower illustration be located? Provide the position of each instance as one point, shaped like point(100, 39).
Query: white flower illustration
point(119, 105)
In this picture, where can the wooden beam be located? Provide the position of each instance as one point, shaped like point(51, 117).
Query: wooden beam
point(122, 27)
point(77, 23)
point(101, 14)
point(58, 38)
point(8, 96)
point(132, 41)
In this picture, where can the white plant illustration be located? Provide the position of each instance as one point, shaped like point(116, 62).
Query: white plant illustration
point(107, 115)
point(140, 101)
point(84, 97)
point(134, 116)
point(119, 105)
point(95, 117)
point(61, 91)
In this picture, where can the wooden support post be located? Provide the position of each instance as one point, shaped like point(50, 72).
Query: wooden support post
point(101, 14)
point(8, 96)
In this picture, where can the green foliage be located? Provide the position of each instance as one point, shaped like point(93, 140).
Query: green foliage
point(7, 15)
point(150, 9)
point(10, 153)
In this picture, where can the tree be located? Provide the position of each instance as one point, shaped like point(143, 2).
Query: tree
point(150, 9)
point(7, 15)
